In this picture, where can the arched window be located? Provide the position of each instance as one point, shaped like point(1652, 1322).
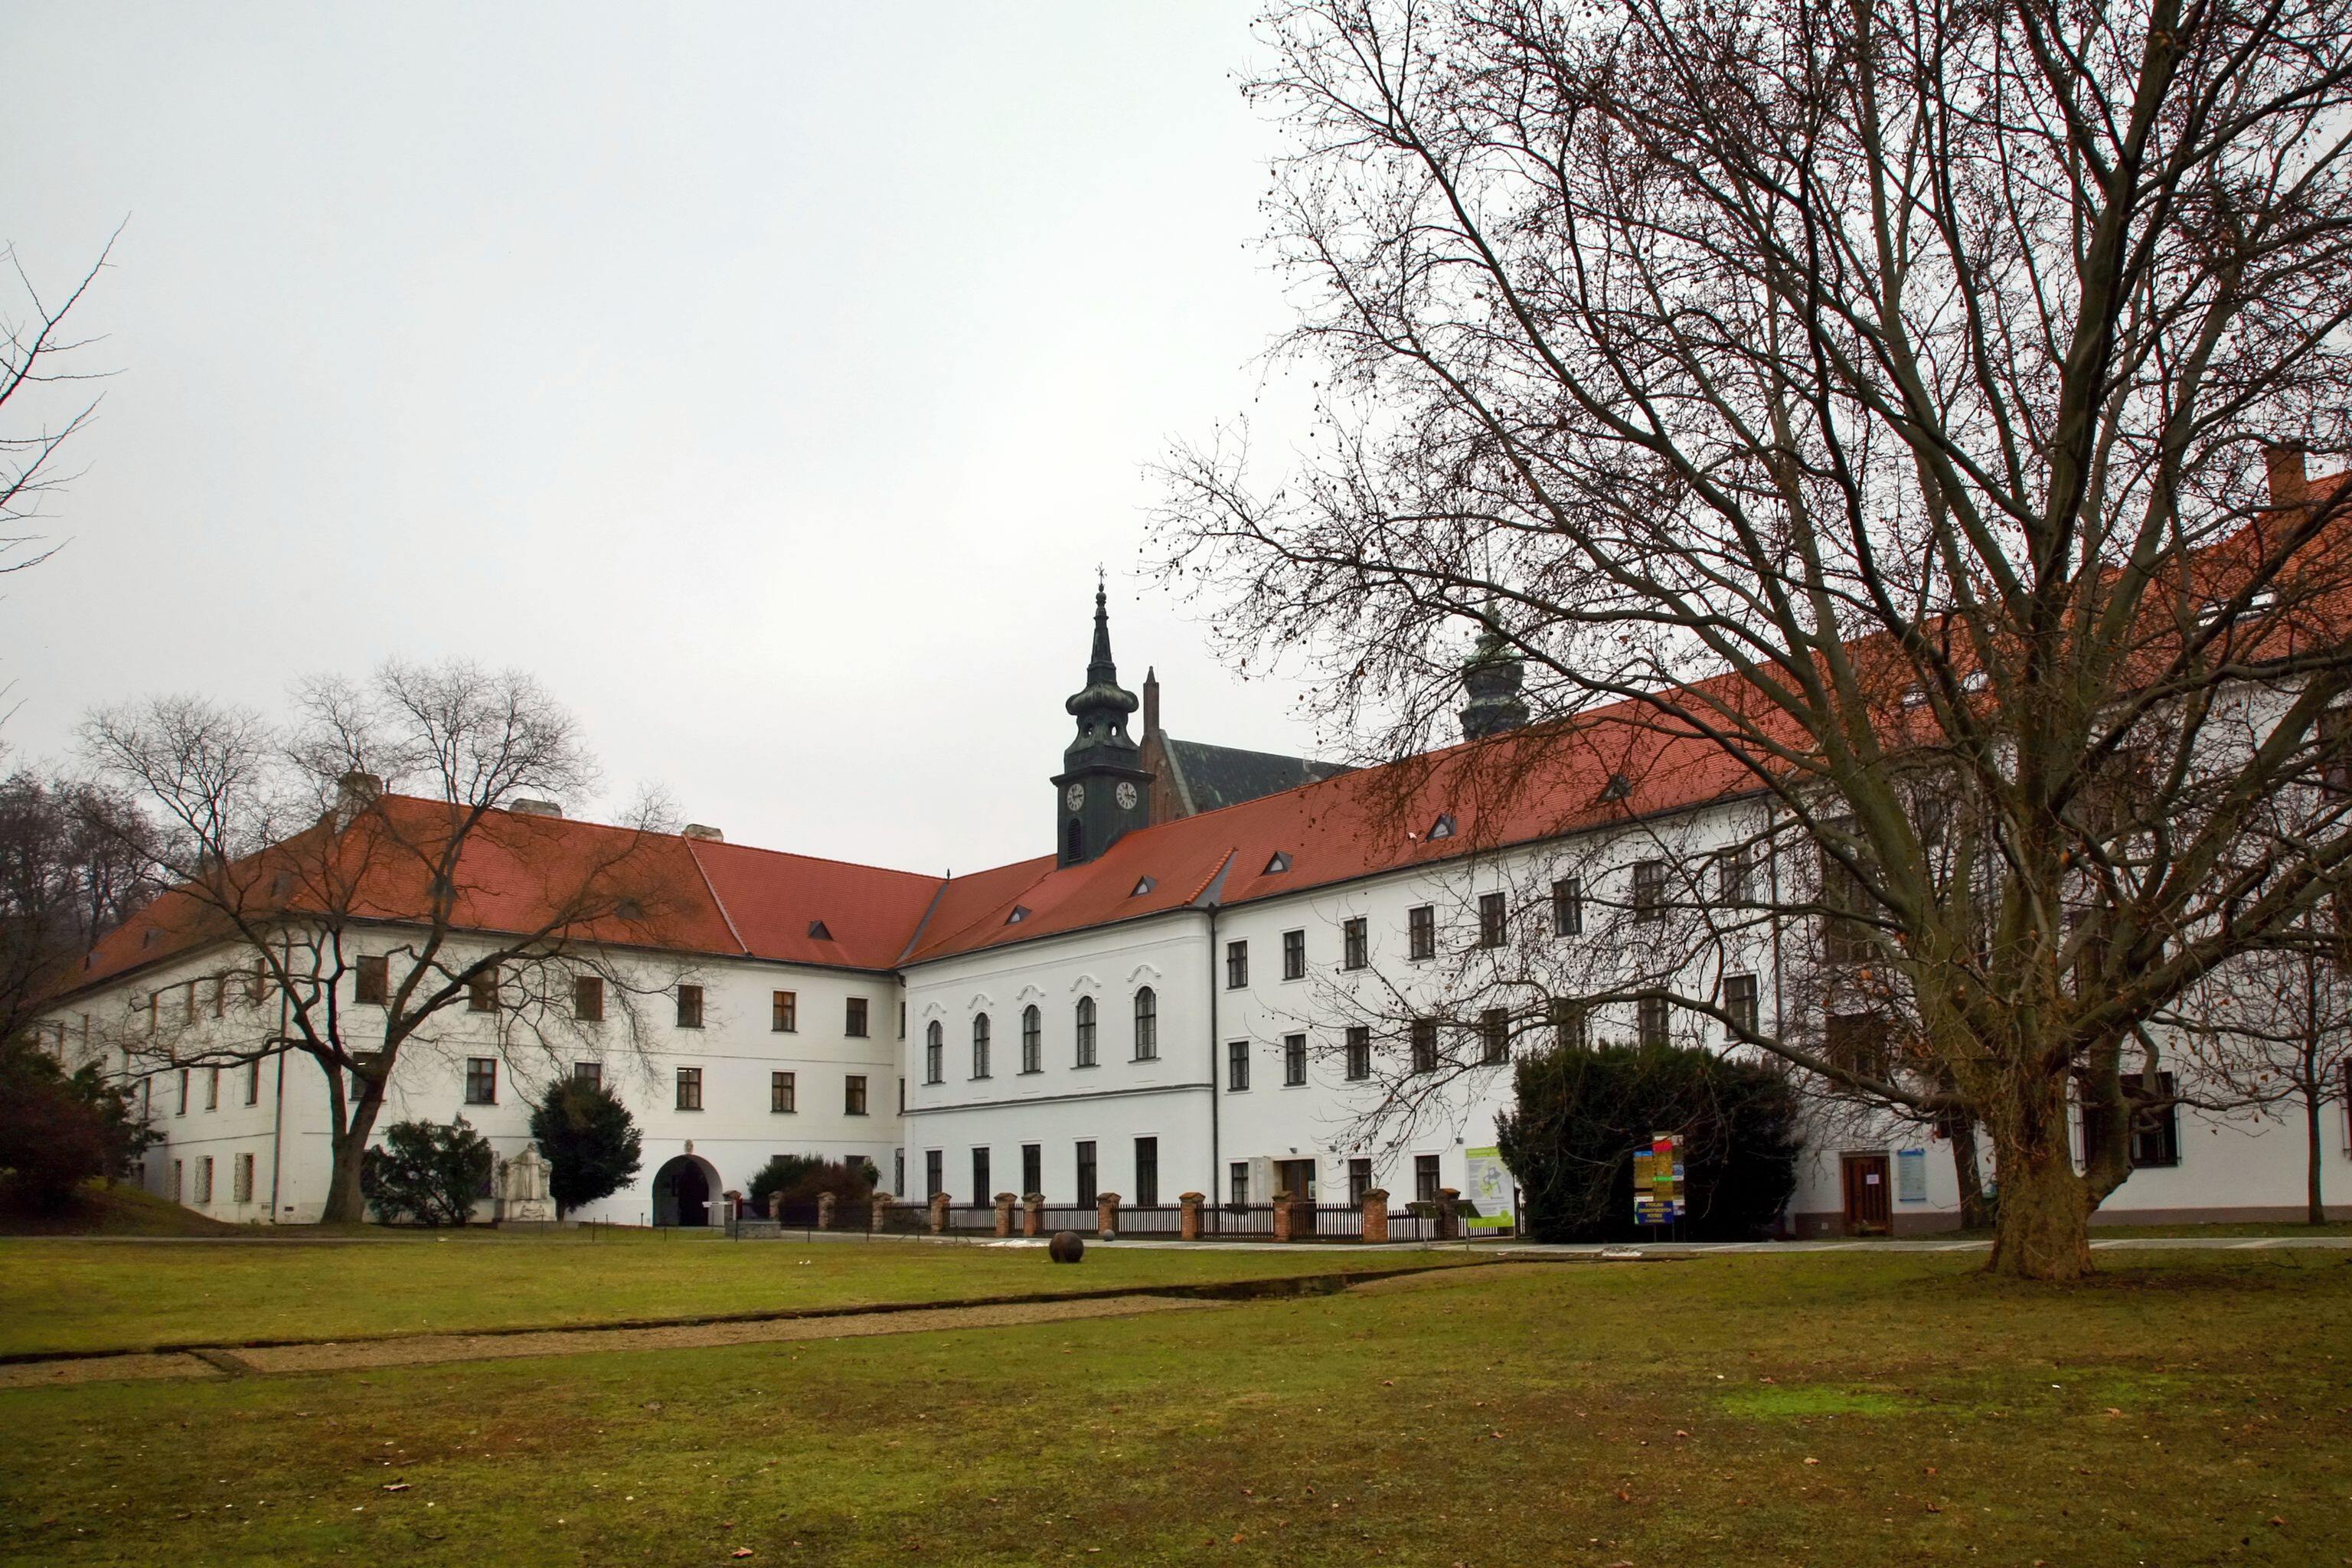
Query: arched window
point(1086, 1031)
point(935, 1053)
point(1032, 1031)
point(1147, 1023)
point(980, 1045)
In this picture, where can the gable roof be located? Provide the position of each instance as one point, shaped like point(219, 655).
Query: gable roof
point(1209, 778)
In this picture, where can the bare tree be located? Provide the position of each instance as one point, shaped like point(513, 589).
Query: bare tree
point(359, 924)
point(1867, 403)
point(41, 381)
point(68, 874)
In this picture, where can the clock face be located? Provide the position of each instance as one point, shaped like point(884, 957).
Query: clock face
point(1075, 796)
point(1125, 795)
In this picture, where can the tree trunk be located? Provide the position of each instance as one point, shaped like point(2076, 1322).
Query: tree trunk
point(2313, 1195)
point(1960, 1129)
point(346, 1204)
point(2044, 1221)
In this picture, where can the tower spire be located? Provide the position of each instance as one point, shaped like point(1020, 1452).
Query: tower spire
point(1099, 791)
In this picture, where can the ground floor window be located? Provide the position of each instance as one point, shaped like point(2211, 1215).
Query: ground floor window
point(980, 1192)
point(179, 1171)
point(1237, 1183)
point(1359, 1180)
point(1033, 1168)
point(1086, 1192)
point(242, 1186)
point(935, 1162)
point(1424, 1178)
point(204, 1179)
point(1147, 1172)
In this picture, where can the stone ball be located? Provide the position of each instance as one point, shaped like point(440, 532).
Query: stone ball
point(1066, 1247)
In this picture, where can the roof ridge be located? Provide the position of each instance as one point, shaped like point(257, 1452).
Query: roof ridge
point(716, 901)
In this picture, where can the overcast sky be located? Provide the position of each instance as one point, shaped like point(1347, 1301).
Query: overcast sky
point(768, 380)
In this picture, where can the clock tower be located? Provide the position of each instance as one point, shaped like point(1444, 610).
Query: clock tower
point(1103, 789)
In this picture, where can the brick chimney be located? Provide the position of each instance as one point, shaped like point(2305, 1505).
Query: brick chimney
point(2289, 484)
point(1150, 702)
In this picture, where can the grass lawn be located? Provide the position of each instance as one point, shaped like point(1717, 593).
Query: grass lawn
point(1846, 1409)
point(76, 1296)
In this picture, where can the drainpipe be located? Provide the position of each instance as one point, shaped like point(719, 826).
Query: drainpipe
point(1216, 1153)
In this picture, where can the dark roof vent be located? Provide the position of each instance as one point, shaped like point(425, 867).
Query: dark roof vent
point(630, 909)
point(1280, 863)
point(1142, 885)
point(702, 830)
point(1618, 788)
point(1443, 828)
point(1019, 912)
point(817, 931)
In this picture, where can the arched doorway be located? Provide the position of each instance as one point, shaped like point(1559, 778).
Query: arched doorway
point(683, 1190)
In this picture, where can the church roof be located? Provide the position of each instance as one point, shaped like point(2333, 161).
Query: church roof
point(1209, 778)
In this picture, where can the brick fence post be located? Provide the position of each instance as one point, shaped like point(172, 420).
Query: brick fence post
point(1033, 1214)
point(1376, 1216)
point(824, 1202)
point(939, 1202)
point(776, 1205)
point(1449, 1215)
point(1106, 1215)
point(1188, 1220)
point(877, 1216)
point(1283, 1221)
point(1004, 1202)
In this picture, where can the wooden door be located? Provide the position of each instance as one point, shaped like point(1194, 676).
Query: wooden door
point(1867, 1199)
point(1297, 1178)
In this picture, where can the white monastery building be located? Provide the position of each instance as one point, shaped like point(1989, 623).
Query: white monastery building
point(1229, 961)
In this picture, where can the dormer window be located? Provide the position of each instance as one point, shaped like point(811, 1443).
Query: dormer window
point(1975, 680)
point(1618, 788)
point(1441, 828)
point(1281, 862)
point(1142, 885)
point(1019, 912)
point(1915, 697)
point(817, 931)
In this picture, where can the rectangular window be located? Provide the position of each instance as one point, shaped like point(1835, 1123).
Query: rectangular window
point(689, 1007)
point(2156, 1131)
point(373, 980)
point(853, 1095)
point(935, 1172)
point(204, 1179)
point(980, 1045)
point(220, 996)
point(935, 1054)
point(1649, 889)
point(1359, 1179)
point(212, 1089)
point(1731, 877)
point(590, 1073)
point(1085, 1030)
point(1237, 1065)
point(1424, 1178)
point(1420, 931)
point(1359, 1052)
point(179, 1174)
point(1846, 933)
point(1572, 1028)
point(784, 1012)
point(1424, 1045)
point(183, 1094)
point(783, 1094)
point(481, 1080)
point(853, 1024)
point(1087, 1191)
point(1355, 943)
point(689, 1088)
point(1293, 955)
point(1147, 1024)
point(1568, 907)
point(1236, 966)
point(897, 1169)
point(1147, 1173)
point(1739, 1001)
point(1236, 1183)
point(482, 993)
point(253, 1081)
point(1856, 1042)
point(1033, 1169)
point(1495, 1036)
point(1033, 1040)
point(981, 1195)
point(1650, 1018)
point(1294, 1060)
point(1492, 919)
point(588, 999)
point(241, 1189)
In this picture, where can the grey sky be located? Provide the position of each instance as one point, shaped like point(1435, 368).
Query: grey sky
point(768, 380)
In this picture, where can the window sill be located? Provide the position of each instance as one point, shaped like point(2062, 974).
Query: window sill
point(858, 1114)
point(786, 1111)
point(691, 1109)
point(1084, 1066)
point(1030, 1072)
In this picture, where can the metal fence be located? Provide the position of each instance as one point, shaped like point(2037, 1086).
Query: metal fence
point(1221, 1222)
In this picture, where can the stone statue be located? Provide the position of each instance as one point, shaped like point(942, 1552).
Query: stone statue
point(522, 1190)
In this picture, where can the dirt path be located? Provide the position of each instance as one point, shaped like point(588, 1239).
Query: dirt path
point(428, 1349)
